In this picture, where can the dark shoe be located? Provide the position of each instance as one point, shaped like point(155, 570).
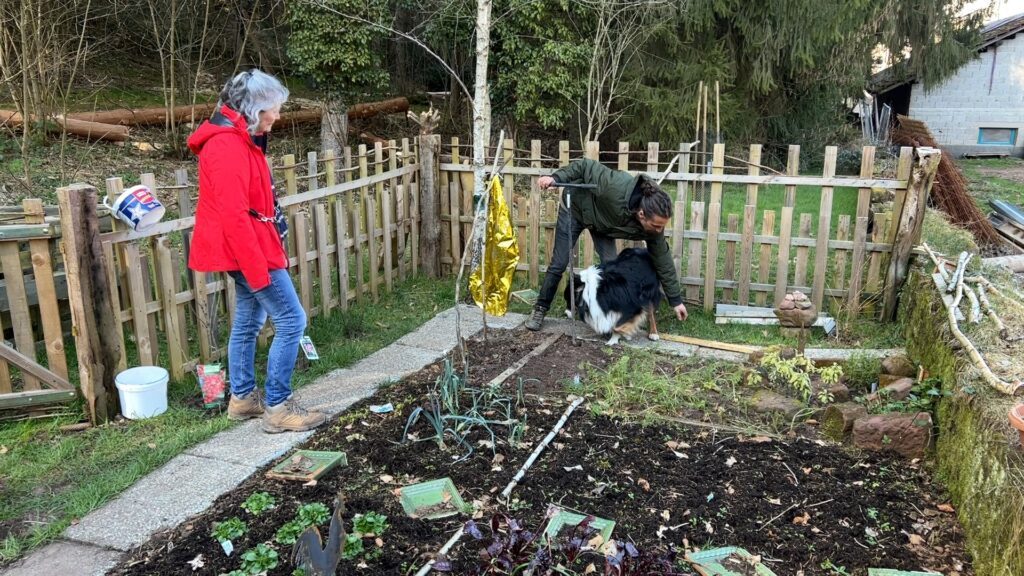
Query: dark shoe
point(288, 416)
point(536, 319)
point(244, 408)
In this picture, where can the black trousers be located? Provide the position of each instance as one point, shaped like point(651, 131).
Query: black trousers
point(565, 239)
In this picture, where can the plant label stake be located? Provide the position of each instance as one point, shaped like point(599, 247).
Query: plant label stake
point(572, 254)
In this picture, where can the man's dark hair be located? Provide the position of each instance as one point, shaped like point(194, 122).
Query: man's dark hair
point(653, 200)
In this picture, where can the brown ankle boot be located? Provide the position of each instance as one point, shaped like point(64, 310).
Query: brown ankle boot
point(288, 416)
point(251, 406)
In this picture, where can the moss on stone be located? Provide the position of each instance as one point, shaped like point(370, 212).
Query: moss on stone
point(978, 458)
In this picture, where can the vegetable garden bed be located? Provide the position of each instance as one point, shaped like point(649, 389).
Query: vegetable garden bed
point(801, 505)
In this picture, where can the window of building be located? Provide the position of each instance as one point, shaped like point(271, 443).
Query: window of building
point(997, 136)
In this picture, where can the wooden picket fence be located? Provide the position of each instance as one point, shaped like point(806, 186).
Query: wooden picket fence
point(80, 288)
point(354, 231)
point(730, 244)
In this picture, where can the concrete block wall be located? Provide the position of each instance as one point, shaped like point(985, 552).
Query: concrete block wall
point(956, 109)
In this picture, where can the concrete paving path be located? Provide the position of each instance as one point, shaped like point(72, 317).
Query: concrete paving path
point(189, 483)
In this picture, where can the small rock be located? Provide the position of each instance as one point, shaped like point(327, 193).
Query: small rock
point(896, 390)
point(909, 435)
point(837, 422)
point(839, 392)
point(786, 305)
point(899, 365)
point(768, 402)
point(887, 379)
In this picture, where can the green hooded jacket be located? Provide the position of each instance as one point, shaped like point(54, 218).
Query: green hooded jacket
point(607, 211)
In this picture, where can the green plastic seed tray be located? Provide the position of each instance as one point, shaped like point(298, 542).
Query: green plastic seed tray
point(728, 561)
point(431, 500)
point(564, 518)
point(891, 572)
point(306, 465)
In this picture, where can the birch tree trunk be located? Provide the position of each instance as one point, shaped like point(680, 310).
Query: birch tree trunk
point(481, 98)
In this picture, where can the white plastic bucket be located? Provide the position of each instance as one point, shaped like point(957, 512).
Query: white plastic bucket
point(143, 391)
point(137, 206)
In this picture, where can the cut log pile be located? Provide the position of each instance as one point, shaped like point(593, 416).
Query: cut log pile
point(112, 125)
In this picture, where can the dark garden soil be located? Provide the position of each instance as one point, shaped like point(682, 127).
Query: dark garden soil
point(800, 504)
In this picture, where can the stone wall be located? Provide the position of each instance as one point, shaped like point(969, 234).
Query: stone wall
point(977, 453)
point(979, 95)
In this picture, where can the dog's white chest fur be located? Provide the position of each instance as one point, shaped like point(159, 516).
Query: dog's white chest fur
point(602, 321)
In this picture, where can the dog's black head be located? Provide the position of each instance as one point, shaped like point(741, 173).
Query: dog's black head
point(581, 306)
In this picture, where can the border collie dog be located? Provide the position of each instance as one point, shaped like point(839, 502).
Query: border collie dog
point(615, 298)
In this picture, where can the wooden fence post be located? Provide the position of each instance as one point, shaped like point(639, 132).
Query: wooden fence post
point(908, 224)
point(430, 215)
point(96, 342)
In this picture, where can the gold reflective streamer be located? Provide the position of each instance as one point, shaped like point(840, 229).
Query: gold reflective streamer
point(501, 255)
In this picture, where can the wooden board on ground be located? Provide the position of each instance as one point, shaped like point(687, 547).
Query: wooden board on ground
point(733, 314)
point(709, 343)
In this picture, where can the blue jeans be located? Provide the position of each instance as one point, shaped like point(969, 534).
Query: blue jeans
point(281, 303)
point(565, 239)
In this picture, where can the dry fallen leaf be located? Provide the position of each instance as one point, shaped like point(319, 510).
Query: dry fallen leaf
point(3, 449)
point(644, 484)
point(802, 520)
point(590, 569)
point(571, 468)
point(196, 563)
point(311, 482)
point(680, 455)
point(776, 501)
point(379, 542)
point(729, 462)
point(757, 439)
point(673, 445)
point(446, 497)
point(806, 471)
point(386, 478)
point(945, 508)
point(661, 531)
point(916, 539)
point(595, 542)
point(151, 446)
point(665, 515)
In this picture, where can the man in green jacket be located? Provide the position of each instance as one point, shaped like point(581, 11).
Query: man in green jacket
point(623, 206)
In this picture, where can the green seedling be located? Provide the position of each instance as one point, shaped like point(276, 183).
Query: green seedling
point(259, 560)
point(258, 503)
point(312, 514)
point(370, 524)
point(229, 529)
point(353, 547)
point(289, 532)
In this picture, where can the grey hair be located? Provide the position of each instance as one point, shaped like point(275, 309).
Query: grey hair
point(252, 92)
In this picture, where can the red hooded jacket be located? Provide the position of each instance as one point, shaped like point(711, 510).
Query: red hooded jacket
point(233, 177)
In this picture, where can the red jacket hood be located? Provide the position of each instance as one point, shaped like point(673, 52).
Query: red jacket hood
point(208, 130)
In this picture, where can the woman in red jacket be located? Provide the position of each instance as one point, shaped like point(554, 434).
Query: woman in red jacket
point(235, 233)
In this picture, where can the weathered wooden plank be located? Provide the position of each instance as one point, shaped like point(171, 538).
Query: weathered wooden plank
point(696, 248)
point(623, 156)
point(387, 201)
point(359, 285)
point(29, 399)
point(414, 212)
point(714, 223)
point(880, 232)
point(746, 253)
point(115, 301)
point(765, 264)
point(824, 231)
point(168, 290)
point(137, 303)
point(456, 230)
point(802, 252)
point(302, 263)
point(371, 241)
point(860, 231)
point(21, 318)
point(792, 170)
point(730, 256)
point(49, 307)
point(323, 262)
point(341, 226)
point(782, 262)
point(842, 233)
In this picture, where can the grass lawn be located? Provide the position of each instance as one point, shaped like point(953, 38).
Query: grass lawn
point(994, 179)
point(49, 478)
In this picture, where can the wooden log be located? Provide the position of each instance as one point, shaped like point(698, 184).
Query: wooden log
point(148, 116)
point(430, 208)
point(97, 345)
point(90, 130)
point(908, 226)
point(355, 112)
point(1014, 263)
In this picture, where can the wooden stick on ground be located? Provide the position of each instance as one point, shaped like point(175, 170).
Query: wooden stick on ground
point(710, 344)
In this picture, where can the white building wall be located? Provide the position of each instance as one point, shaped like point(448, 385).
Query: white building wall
point(979, 95)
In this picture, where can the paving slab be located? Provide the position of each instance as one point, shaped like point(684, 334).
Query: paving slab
point(66, 559)
point(394, 362)
point(248, 445)
point(437, 334)
point(183, 487)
